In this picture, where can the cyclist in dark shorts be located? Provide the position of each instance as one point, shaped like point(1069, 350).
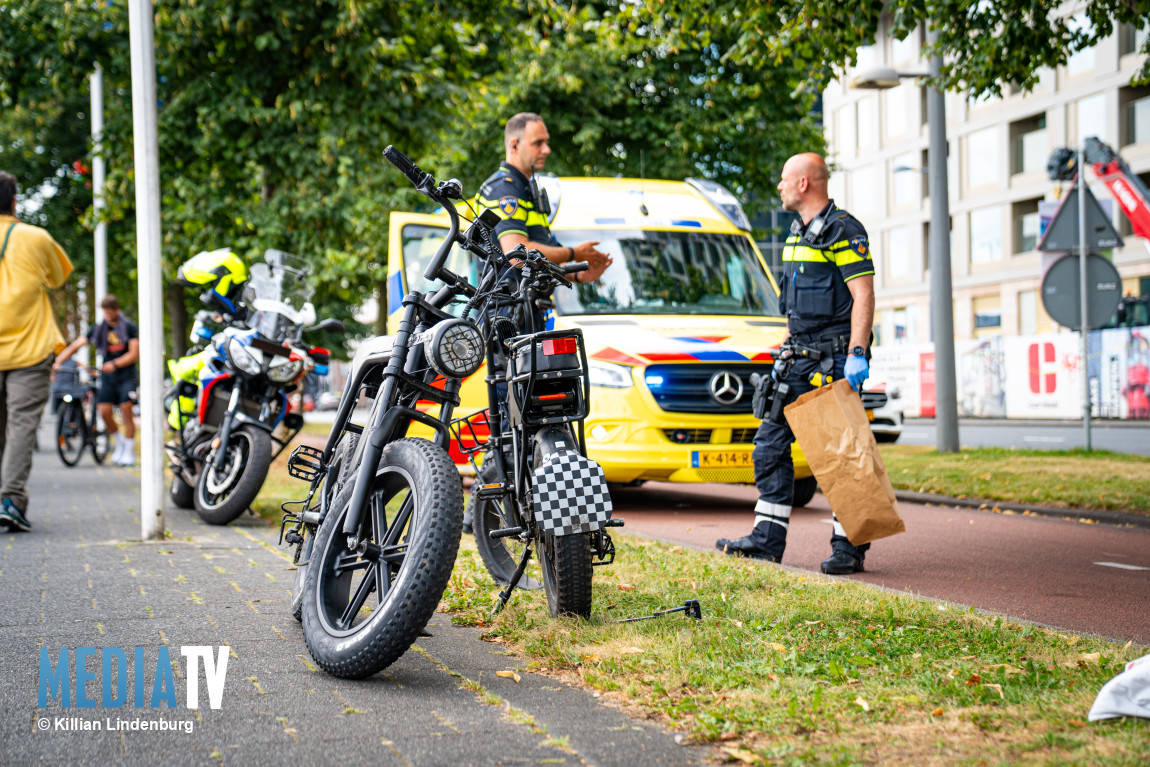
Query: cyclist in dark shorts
point(117, 341)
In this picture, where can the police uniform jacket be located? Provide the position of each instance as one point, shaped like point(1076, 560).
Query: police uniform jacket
point(516, 200)
point(818, 261)
point(509, 193)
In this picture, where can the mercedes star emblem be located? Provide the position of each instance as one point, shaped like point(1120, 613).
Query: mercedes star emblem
point(726, 387)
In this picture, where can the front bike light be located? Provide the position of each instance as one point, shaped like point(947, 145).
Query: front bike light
point(242, 357)
point(454, 348)
point(285, 371)
point(609, 375)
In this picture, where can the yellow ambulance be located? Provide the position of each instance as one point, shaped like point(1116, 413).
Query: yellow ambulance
point(674, 328)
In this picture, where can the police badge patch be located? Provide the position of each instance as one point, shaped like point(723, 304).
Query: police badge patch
point(859, 245)
point(509, 204)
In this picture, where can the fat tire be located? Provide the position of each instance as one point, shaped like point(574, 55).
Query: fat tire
point(419, 585)
point(341, 467)
point(182, 494)
point(804, 491)
point(68, 414)
point(565, 559)
point(248, 484)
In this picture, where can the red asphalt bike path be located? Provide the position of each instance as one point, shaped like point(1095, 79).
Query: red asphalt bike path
point(1039, 569)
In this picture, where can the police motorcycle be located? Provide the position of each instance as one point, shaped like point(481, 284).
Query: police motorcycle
point(231, 413)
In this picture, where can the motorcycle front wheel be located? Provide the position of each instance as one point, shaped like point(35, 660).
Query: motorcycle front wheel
point(223, 494)
point(363, 607)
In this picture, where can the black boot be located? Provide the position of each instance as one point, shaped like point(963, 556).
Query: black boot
point(845, 558)
point(766, 541)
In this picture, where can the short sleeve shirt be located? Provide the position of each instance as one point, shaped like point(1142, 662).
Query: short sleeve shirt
point(509, 193)
point(114, 346)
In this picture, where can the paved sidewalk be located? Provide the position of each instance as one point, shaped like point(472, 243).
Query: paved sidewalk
point(82, 578)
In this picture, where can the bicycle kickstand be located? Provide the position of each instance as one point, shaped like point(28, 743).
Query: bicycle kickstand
point(506, 593)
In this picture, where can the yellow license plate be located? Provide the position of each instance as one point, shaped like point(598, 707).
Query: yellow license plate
point(721, 459)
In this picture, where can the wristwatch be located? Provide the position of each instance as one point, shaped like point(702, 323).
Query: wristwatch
point(857, 351)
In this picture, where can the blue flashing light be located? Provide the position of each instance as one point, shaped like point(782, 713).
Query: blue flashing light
point(654, 382)
point(321, 370)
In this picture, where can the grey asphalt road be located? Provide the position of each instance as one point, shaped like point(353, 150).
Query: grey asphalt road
point(1088, 577)
point(82, 579)
point(1126, 437)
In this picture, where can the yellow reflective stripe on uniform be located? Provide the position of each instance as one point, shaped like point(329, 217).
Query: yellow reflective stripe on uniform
point(804, 253)
point(522, 213)
point(844, 254)
point(535, 219)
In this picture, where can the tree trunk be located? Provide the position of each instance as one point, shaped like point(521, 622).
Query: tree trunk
point(381, 301)
point(178, 317)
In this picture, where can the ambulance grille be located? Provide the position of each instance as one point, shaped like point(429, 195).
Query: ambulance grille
point(687, 388)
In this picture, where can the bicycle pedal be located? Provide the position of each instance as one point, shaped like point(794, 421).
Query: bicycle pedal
point(494, 490)
point(306, 463)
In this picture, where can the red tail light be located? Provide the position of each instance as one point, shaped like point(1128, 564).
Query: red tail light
point(553, 346)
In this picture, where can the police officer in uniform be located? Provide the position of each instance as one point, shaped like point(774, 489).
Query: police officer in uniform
point(828, 298)
point(513, 193)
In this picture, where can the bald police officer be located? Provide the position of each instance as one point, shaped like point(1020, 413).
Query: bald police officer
point(828, 298)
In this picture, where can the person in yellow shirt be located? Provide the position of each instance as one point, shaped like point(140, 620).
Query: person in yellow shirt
point(30, 262)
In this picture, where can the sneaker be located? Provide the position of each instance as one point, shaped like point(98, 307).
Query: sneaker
point(127, 455)
point(11, 519)
point(743, 547)
point(842, 562)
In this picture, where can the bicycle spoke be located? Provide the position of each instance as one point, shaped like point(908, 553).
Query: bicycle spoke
point(366, 586)
point(399, 522)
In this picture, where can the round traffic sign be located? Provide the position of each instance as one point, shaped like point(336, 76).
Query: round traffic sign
point(1060, 291)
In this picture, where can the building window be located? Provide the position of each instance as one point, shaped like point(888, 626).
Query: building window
point(904, 175)
point(952, 180)
point(982, 157)
point(1026, 225)
point(985, 235)
point(902, 325)
point(1032, 317)
point(896, 111)
point(1134, 105)
point(897, 252)
point(1082, 61)
point(863, 191)
point(987, 316)
point(1131, 38)
point(1090, 117)
point(866, 123)
point(1029, 147)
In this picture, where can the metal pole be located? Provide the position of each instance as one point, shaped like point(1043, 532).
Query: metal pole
point(147, 165)
point(98, 177)
point(941, 292)
point(1084, 330)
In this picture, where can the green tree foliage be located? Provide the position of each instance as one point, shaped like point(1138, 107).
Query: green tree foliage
point(273, 115)
point(985, 44)
point(618, 100)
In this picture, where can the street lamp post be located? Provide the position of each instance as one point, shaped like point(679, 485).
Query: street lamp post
point(941, 292)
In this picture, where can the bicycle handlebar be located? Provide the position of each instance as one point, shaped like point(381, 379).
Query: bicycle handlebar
point(422, 181)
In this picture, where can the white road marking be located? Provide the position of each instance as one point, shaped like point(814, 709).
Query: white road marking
point(1121, 566)
point(1043, 439)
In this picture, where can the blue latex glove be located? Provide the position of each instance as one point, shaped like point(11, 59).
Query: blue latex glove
point(856, 371)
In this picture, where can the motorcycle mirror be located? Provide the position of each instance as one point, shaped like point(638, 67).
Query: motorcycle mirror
point(330, 323)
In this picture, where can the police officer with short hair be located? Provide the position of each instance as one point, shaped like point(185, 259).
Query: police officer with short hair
point(828, 298)
point(513, 193)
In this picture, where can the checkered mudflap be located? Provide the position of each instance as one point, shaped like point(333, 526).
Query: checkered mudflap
point(569, 495)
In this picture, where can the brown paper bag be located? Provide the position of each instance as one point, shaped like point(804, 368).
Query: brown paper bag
point(834, 433)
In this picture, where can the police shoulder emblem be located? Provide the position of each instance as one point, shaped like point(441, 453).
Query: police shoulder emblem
point(859, 245)
point(509, 204)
